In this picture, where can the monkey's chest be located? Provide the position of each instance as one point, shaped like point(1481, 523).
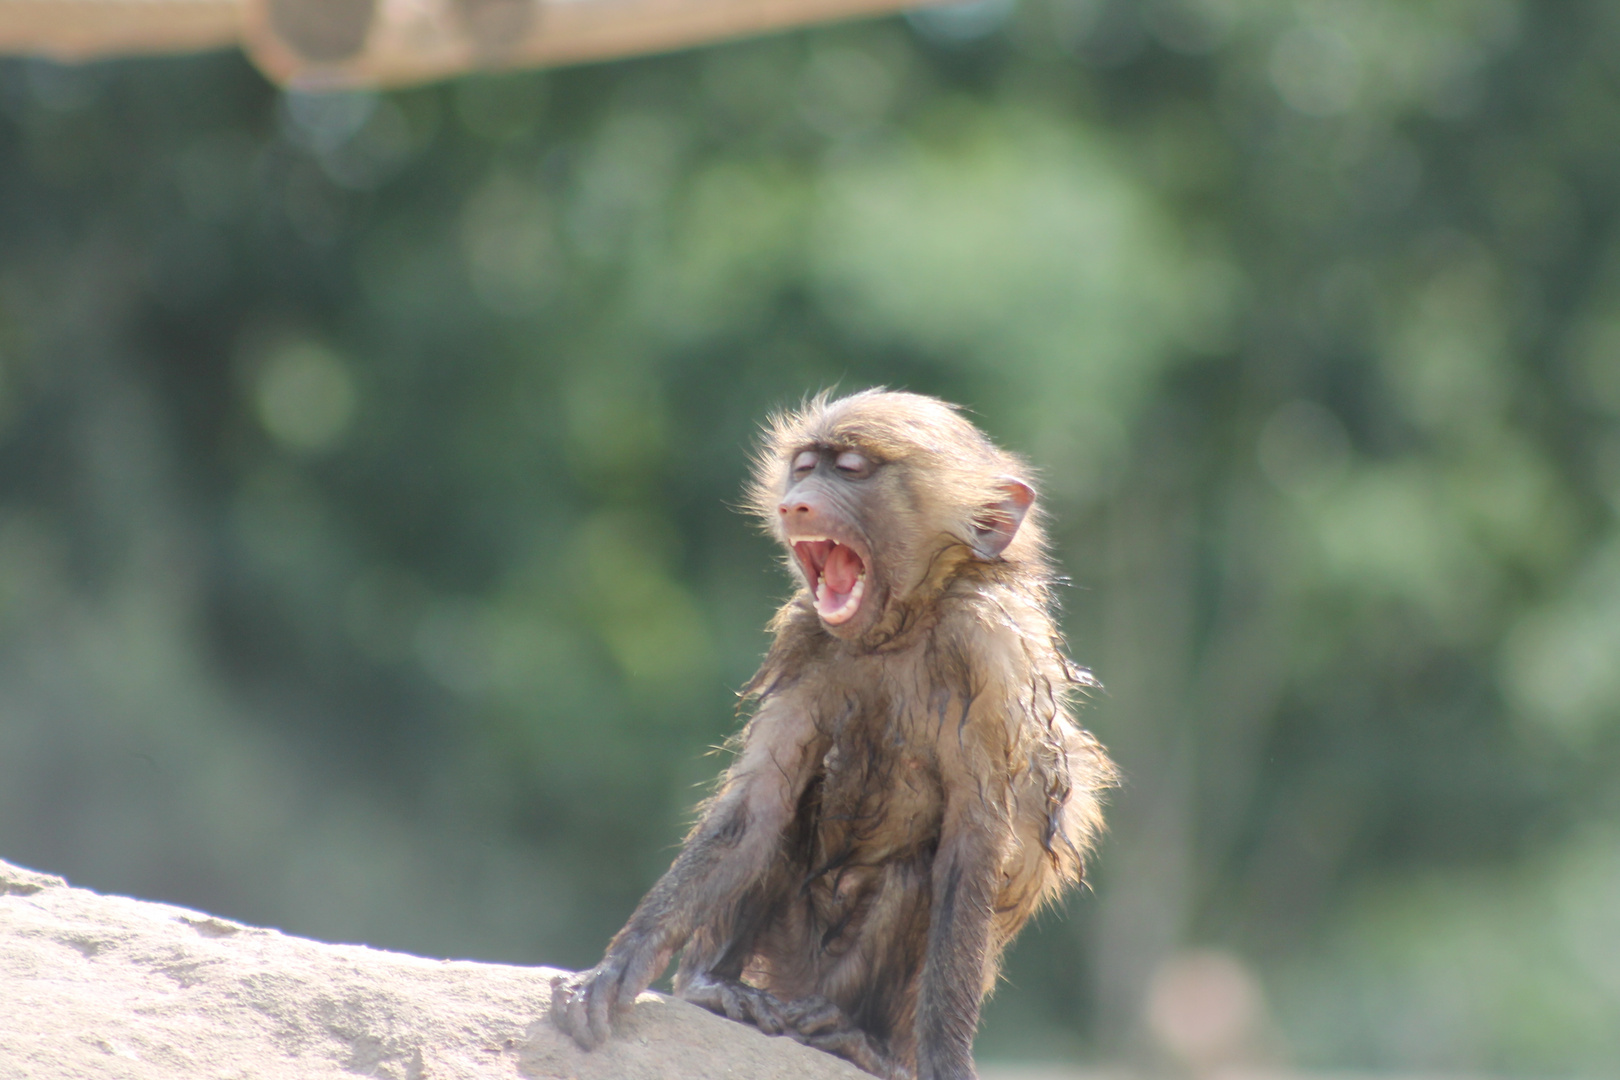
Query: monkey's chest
point(877, 802)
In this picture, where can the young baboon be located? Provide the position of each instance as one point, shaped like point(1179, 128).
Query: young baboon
point(910, 787)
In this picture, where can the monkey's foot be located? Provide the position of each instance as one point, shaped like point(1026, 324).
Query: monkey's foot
point(738, 1001)
point(814, 1021)
point(817, 1022)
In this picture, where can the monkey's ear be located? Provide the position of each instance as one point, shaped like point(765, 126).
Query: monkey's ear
point(995, 526)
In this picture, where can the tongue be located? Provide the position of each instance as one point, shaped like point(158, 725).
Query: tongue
point(843, 567)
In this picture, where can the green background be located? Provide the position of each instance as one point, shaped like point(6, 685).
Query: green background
point(367, 560)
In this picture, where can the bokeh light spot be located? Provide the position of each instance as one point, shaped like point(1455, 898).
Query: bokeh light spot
point(305, 397)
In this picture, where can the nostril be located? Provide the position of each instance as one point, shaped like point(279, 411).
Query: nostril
point(796, 508)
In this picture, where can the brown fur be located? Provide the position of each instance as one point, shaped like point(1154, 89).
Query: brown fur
point(910, 788)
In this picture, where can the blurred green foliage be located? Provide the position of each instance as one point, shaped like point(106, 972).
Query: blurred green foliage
point(366, 566)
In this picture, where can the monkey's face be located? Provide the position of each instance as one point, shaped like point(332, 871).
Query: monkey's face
point(881, 498)
point(821, 521)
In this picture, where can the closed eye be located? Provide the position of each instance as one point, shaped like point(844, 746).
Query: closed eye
point(853, 464)
point(804, 461)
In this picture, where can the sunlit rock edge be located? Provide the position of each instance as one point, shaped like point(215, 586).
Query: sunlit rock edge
point(107, 986)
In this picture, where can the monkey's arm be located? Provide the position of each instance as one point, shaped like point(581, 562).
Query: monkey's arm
point(732, 844)
point(952, 986)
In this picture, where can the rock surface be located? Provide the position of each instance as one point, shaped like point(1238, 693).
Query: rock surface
point(113, 988)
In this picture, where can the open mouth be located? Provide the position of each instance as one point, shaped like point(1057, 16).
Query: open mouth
point(836, 574)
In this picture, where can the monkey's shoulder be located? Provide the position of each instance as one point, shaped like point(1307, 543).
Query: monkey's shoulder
point(1004, 637)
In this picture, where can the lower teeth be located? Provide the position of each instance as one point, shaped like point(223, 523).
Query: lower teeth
point(824, 597)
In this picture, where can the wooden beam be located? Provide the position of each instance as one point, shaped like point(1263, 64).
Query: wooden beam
point(72, 30)
point(331, 44)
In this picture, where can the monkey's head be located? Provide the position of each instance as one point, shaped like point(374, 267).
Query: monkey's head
point(883, 498)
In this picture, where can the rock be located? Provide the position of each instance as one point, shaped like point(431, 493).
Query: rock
point(109, 987)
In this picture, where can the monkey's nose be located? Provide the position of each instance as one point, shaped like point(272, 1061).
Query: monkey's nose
point(793, 508)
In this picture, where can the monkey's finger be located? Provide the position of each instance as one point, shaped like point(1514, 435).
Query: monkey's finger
point(600, 999)
point(764, 1011)
point(815, 1016)
point(557, 1010)
point(729, 1002)
point(572, 1017)
point(562, 1003)
point(561, 994)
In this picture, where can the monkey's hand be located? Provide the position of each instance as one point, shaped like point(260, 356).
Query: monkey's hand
point(584, 1005)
